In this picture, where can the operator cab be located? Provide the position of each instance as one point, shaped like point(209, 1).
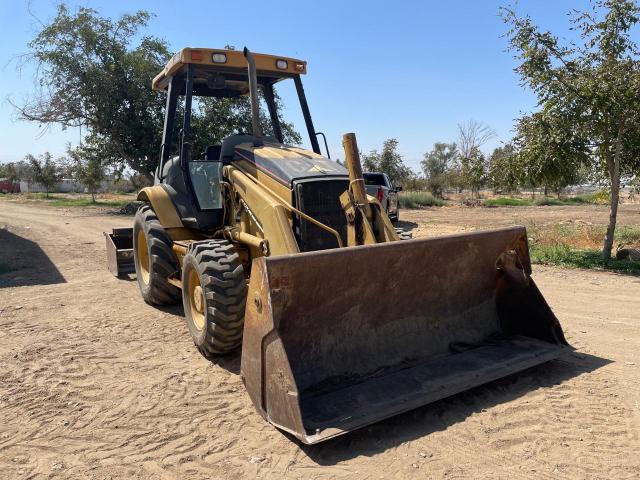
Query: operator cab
point(222, 74)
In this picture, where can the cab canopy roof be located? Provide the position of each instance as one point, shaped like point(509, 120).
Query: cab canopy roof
point(223, 73)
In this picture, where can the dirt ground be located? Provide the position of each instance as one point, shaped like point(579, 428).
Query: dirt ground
point(96, 384)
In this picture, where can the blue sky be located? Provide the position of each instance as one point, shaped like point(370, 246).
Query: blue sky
point(411, 70)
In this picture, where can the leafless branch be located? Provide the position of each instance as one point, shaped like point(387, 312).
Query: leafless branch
point(473, 134)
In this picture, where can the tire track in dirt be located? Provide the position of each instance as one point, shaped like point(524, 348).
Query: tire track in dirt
point(97, 384)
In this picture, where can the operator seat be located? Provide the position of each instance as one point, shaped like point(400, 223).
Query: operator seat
point(176, 184)
point(213, 153)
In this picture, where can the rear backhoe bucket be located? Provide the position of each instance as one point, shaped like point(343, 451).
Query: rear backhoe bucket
point(338, 339)
point(120, 251)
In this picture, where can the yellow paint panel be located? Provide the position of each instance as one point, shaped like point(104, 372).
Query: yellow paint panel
point(162, 206)
point(274, 186)
point(235, 59)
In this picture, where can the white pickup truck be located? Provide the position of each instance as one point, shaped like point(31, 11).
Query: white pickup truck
point(379, 185)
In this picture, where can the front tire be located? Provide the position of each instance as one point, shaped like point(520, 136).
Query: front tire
point(153, 258)
point(214, 294)
point(395, 217)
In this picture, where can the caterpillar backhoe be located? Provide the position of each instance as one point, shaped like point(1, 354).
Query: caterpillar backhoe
point(279, 251)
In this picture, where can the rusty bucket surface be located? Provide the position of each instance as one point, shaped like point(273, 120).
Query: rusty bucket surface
point(120, 251)
point(338, 339)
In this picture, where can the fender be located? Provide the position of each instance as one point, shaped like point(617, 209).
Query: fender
point(162, 205)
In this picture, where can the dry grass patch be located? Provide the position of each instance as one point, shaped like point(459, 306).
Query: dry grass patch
point(578, 244)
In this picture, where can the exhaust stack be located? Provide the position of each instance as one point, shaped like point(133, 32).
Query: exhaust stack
point(255, 101)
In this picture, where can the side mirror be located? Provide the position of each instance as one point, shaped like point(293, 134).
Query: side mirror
point(398, 189)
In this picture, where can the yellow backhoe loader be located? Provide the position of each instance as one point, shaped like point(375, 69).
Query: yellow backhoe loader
point(280, 251)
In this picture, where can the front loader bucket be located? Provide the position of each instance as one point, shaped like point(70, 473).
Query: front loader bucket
point(338, 339)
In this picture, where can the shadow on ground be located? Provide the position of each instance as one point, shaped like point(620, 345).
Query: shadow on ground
point(405, 226)
point(23, 262)
point(444, 413)
point(229, 362)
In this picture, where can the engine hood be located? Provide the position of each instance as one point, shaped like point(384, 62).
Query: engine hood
point(286, 164)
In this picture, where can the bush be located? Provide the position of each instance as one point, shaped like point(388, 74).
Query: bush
point(627, 235)
point(595, 198)
point(547, 201)
point(601, 197)
point(578, 245)
point(580, 235)
point(565, 256)
point(419, 199)
point(506, 202)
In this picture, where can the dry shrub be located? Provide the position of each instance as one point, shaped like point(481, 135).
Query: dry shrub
point(579, 235)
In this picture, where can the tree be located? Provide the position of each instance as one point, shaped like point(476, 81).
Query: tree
point(87, 167)
point(504, 172)
point(213, 119)
point(45, 171)
point(473, 135)
point(473, 169)
point(9, 172)
point(96, 72)
point(389, 161)
point(589, 87)
point(552, 152)
point(437, 164)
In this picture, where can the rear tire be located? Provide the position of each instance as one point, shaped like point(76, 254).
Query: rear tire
point(214, 294)
point(153, 258)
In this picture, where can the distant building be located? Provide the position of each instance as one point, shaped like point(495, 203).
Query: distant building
point(7, 186)
point(66, 185)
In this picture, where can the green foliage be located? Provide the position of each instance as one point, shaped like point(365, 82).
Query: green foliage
point(628, 236)
point(472, 174)
point(437, 165)
point(96, 72)
point(213, 119)
point(588, 97)
point(473, 170)
point(389, 161)
point(551, 202)
point(9, 171)
point(573, 244)
point(415, 182)
point(551, 152)
point(601, 197)
point(419, 199)
point(565, 256)
point(16, 171)
point(507, 202)
point(87, 167)
point(76, 200)
point(543, 202)
point(503, 174)
point(45, 171)
point(87, 202)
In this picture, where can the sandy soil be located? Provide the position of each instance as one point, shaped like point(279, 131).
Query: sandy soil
point(454, 219)
point(96, 384)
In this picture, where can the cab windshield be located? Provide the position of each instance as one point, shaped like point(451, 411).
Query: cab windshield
point(205, 178)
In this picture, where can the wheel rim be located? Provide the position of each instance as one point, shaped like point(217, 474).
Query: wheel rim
point(196, 300)
point(142, 256)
